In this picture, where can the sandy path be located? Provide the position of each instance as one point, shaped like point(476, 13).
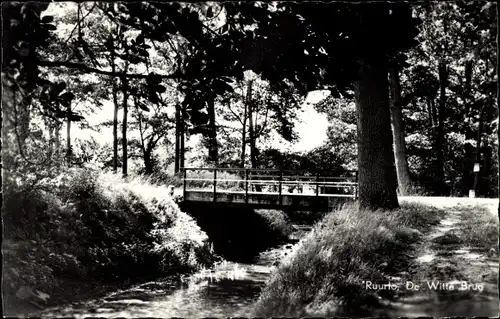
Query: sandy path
point(453, 280)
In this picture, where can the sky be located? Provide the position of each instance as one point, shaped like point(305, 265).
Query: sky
point(311, 126)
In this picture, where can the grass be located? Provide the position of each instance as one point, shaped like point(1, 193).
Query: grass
point(277, 220)
point(87, 226)
point(324, 275)
point(478, 228)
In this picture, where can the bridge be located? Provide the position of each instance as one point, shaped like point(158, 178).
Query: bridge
point(318, 190)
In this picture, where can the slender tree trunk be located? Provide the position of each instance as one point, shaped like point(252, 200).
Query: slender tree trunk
point(377, 172)
point(251, 132)
point(251, 129)
point(124, 128)
point(57, 140)
point(148, 163)
point(478, 150)
point(429, 111)
point(213, 155)
point(24, 120)
point(177, 138)
point(51, 139)
point(114, 90)
point(398, 134)
point(115, 130)
point(253, 145)
point(68, 137)
point(182, 137)
point(244, 129)
point(440, 138)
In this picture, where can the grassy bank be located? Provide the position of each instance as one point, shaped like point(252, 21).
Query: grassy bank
point(324, 274)
point(478, 228)
point(91, 230)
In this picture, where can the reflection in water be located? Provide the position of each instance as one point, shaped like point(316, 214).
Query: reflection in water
point(228, 289)
point(224, 293)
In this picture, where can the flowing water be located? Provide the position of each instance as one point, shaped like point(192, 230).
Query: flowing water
point(229, 289)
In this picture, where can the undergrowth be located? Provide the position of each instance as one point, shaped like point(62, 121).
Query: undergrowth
point(324, 274)
point(89, 226)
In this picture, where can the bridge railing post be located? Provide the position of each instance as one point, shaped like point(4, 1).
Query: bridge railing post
point(317, 184)
point(280, 182)
point(356, 187)
point(246, 185)
point(215, 184)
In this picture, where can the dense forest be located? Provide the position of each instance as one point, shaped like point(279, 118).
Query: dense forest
point(143, 89)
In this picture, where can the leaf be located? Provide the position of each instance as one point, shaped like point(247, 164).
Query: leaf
point(75, 117)
point(210, 12)
point(58, 88)
point(50, 27)
point(143, 106)
point(160, 89)
point(47, 19)
point(68, 96)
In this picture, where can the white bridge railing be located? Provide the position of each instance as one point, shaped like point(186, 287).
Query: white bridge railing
point(271, 182)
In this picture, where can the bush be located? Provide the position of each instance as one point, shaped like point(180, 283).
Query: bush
point(324, 274)
point(277, 221)
point(89, 225)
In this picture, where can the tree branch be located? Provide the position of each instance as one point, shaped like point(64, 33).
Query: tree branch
point(79, 21)
point(86, 68)
point(235, 115)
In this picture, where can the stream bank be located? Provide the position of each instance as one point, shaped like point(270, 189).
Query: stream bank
point(227, 289)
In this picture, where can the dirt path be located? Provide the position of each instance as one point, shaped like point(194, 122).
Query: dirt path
point(453, 279)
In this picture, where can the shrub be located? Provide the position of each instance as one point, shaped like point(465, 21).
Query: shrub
point(277, 220)
point(98, 226)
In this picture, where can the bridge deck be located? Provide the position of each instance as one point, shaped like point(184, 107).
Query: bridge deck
point(269, 188)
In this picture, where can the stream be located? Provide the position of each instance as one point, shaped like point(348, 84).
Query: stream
point(229, 289)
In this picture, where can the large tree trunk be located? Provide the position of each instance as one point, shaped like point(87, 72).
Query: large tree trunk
point(440, 138)
point(213, 155)
point(177, 138)
point(403, 172)
point(124, 127)
point(377, 173)
point(498, 114)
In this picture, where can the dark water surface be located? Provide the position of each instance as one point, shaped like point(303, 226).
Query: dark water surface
point(228, 289)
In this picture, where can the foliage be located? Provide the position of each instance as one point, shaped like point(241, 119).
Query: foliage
point(87, 225)
point(277, 220)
